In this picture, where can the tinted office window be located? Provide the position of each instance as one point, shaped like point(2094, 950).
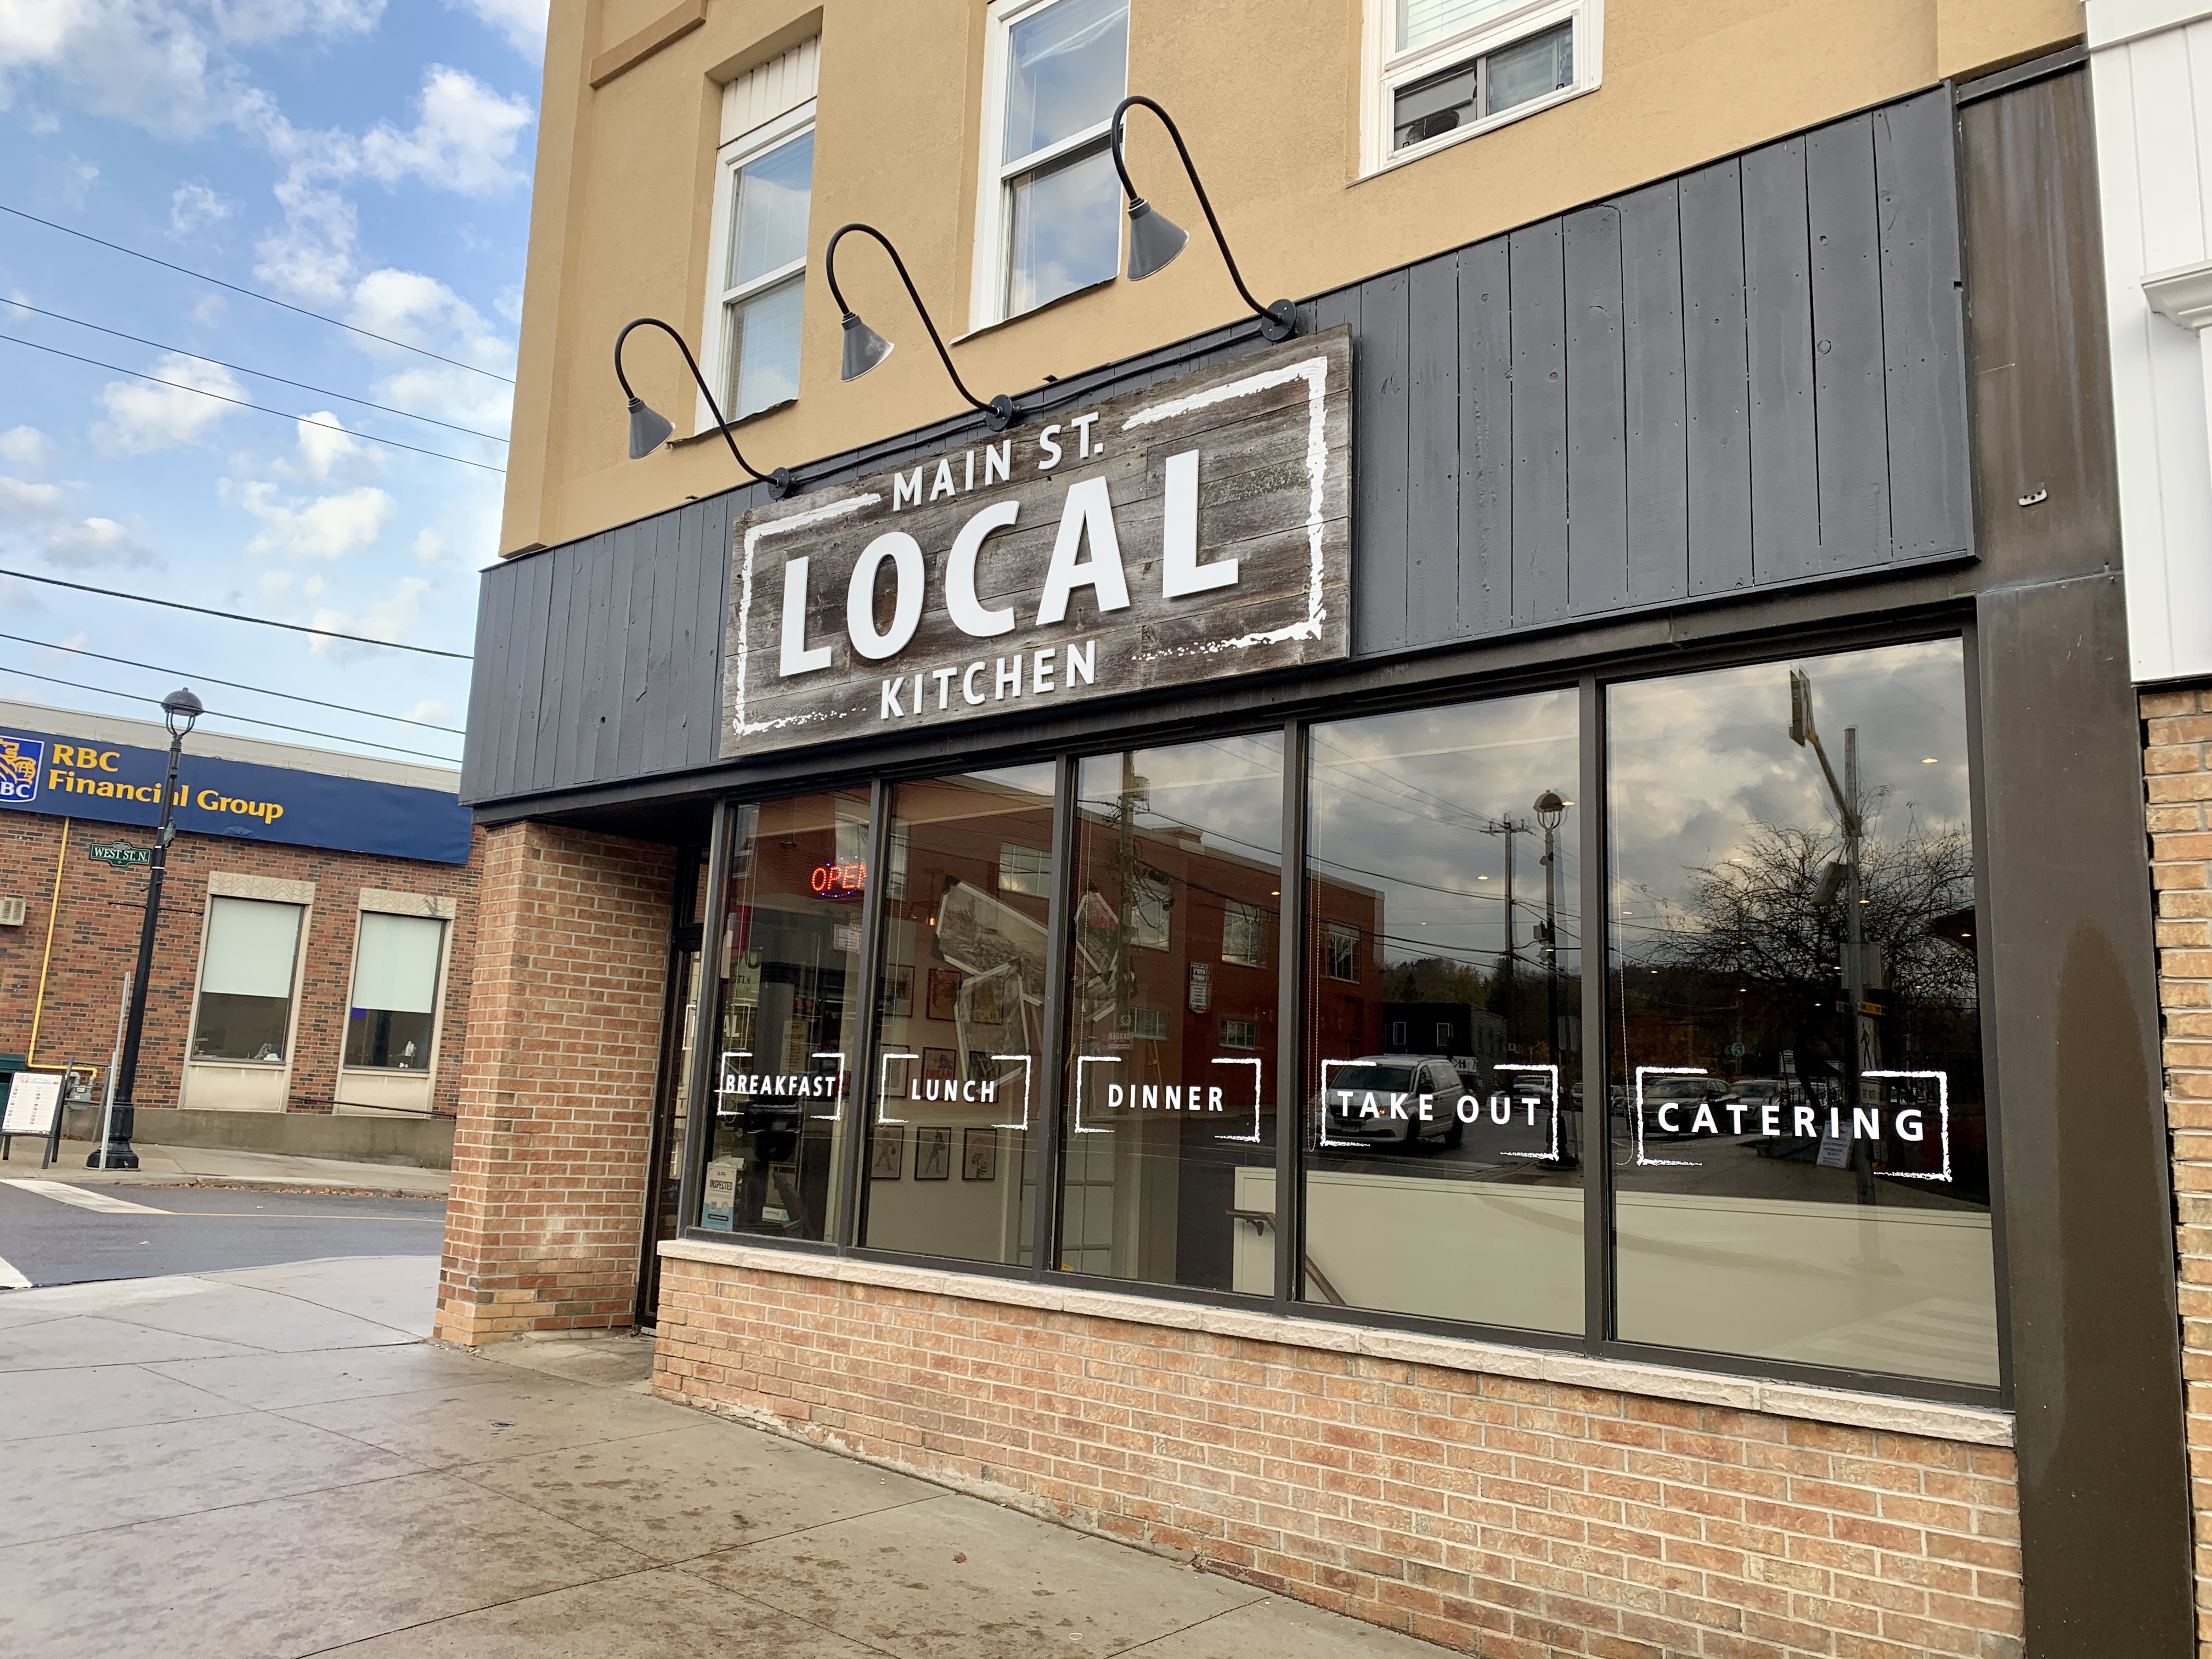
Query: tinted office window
point(1798, 1115)
point(244, 1010)
point(784, 1037)
point(1444, 1108)
point(395, 992)
point(952, 1129)
point(1067, 67)
point(1168, 1123)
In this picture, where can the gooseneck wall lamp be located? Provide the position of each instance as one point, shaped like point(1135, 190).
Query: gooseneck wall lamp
point(865, 348)
point(649, 429)
point(1155, 240)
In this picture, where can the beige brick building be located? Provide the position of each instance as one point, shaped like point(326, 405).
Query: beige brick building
point(1477, 945)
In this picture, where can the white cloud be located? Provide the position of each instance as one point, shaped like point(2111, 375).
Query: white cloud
point(463, 141)
point(432, 710)
point(389, 618)
point(324, 445)
point(522, 21)
point(142, 417)
point(275, 584)
point(326, 527)
point(194, 204)
point(22, 502)
point(28, 447)
point(311, 253)
point(77, 642)
point(209, 310)
point(429, 546)
point(77, 180)
point(92, 543)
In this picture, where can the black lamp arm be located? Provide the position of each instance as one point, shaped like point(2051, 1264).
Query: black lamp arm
point(829, 268)
point(1138, 100)
point(781, 480)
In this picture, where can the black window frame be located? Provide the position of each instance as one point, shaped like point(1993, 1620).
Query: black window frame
point(1591, 683)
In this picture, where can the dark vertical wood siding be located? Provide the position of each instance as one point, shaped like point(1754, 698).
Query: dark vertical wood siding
point(1749, 375)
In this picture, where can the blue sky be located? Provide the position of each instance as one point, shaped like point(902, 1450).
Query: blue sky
point(367, 159)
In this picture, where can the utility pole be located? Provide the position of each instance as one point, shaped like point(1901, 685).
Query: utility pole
point(1550, 810)
point(180, 711)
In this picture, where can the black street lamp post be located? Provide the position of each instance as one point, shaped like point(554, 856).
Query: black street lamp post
point(1550, 811)
point(180, 710)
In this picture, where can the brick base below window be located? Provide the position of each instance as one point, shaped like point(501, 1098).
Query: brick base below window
point(1495, 1514)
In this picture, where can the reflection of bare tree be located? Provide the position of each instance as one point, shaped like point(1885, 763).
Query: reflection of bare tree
point(1772, 913)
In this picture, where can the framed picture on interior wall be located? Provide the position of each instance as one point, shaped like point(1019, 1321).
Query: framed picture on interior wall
point(979, 1154)
point(887, 1153)
point(932, 1154)
point(898, 993)
point(944, 993)
point(939, 1063)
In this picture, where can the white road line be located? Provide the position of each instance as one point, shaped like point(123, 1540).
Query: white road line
point(11, 1276)
point(83, 1198)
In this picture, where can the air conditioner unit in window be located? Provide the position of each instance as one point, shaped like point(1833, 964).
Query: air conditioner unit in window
point(13, 910)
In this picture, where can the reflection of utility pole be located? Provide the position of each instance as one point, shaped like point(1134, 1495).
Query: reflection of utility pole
point(1124, 867)
point(1508, 965)
point(1550, 811)
point(1804, 733)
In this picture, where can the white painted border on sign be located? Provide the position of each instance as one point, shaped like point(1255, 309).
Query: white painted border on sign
point(805, 520)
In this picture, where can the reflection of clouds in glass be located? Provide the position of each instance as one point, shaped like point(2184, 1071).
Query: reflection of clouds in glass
point(1066, 233)
point(764, 334)
point(1229, 789)
point(1409, 805)
point(768, 229)
point(1067, 68)
point(1696, 762)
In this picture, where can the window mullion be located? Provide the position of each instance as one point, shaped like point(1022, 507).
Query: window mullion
point(1596, 960)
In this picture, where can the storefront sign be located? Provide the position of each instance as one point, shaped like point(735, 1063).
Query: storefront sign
point(1193, 529)
point(66, 776)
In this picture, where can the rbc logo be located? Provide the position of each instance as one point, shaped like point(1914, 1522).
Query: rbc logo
point(20, 760)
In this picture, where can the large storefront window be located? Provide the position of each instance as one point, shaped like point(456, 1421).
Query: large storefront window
point(244, 1010)
point(1169, 1173)
point(1803, 1168)
point(959, 1065)
point(394, 1011)
point(1789, 1066)
point(791, 965)
point(1444, 1014)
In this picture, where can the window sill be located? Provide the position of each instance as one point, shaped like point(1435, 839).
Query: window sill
point(250, 1065)
point(708, 434)
point(1034, 311)
point(1421, 152)
point(1969, 1425)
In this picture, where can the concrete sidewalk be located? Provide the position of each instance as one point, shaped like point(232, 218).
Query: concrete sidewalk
point(271, 1462)
point(168, 1166)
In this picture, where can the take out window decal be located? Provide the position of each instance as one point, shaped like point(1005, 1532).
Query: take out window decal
point(1143, 542)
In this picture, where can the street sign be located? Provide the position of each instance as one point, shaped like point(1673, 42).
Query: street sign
point(119, 854)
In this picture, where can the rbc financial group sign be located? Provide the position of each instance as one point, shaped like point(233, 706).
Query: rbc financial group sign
point(66, 776)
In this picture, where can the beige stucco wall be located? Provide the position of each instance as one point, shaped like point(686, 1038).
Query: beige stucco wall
point(1268, 95)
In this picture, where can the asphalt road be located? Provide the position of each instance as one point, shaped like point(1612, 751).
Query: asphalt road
point(48, 1241)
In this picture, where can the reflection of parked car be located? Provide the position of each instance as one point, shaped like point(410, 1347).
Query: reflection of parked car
point(1685, 1093)
point(1383, 1076)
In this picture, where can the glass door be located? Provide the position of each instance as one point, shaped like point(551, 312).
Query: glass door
point(679, 1027)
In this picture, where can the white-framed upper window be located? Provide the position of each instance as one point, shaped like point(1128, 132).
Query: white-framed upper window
point(757, 271)
point(1047, 217)
point(1444, 70)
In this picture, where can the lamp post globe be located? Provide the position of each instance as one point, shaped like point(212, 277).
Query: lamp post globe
point(181, 712)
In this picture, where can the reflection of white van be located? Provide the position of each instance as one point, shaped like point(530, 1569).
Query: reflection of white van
point(1410, 1076)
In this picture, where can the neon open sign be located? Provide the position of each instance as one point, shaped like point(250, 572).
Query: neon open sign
point(839, 881)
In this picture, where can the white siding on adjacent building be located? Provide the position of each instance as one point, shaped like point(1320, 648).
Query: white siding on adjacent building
point(2151, 74)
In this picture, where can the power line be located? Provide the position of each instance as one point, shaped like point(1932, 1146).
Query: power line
point(117, 368)
point(235, 616)
point(259, 374)
point(235, 685)
point(267, 298)
point(133, 696)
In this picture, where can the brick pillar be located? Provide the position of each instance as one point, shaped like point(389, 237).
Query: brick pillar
point(556, 1085)
point(2177, 779)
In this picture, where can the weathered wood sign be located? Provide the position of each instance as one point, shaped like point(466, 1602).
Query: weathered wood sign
point(1193, 529)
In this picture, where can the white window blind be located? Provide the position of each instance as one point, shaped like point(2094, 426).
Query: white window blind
point(251, 946)
point(1420, 21)
point(396, 970)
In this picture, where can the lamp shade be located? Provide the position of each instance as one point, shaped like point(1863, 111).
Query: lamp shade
point(864, 348)
point(180, 711)
point(1154, 240)
point(1550, 809)
point(648, 428)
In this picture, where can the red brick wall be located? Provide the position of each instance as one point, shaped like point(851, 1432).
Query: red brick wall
point(1495, 1515)
point(96, 923)
point(2178, 776)
point(542, 1228)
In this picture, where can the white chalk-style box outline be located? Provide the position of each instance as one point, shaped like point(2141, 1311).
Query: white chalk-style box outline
point(883, 1086)
point(722, 1089)
point(1082, 1060)
point(1258, 1098)
point(740, 726)
point(1643, 1072)
point(837, 1054)
point(1943, 1115)
point(1323, 1126)
point(1553, 1073)
point(1024, 1125)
